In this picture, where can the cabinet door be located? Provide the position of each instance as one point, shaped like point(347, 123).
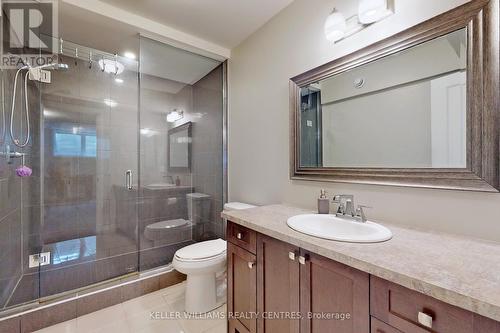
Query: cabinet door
point(337, 296)
point(242, 287)
point(277, 286)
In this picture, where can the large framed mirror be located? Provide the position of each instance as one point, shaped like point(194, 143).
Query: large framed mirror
point(420, 108)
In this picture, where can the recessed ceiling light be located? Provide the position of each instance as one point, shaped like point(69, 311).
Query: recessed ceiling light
point(129, 55)
point(120, 81)
point(110, 102)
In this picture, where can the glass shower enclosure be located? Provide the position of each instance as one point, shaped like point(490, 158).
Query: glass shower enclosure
point(119, 149)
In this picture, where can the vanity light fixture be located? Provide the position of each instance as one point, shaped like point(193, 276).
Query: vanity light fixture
point(335, 26)
point(371, 11)
point(175, 115)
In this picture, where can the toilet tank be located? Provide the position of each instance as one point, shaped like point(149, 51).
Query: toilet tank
point(199, 207)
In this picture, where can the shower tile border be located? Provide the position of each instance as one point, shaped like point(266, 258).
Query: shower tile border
point(81, 305)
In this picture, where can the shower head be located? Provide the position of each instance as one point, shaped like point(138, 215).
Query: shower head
point(55, 66)
point(60, 67)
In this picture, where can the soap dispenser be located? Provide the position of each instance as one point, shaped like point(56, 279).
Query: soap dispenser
point(323, 203)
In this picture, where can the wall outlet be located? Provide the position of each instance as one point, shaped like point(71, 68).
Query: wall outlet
point(39, 259)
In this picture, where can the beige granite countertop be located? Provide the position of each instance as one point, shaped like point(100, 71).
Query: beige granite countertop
point(457, 270)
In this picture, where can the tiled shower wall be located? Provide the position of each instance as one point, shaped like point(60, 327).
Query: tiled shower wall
point(207, 160)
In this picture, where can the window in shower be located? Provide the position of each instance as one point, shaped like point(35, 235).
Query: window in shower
point(70, 144)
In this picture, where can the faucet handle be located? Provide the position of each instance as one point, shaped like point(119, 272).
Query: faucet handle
point(361, 213)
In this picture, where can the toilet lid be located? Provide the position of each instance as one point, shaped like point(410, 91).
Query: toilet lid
point(202, 250)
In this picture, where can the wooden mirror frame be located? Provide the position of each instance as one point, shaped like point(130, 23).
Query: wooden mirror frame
point(189, 127)
point(482, 173)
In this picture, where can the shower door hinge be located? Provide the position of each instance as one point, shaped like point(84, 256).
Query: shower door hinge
point(39, 259)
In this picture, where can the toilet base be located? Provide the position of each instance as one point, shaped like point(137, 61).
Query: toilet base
point(201, 293)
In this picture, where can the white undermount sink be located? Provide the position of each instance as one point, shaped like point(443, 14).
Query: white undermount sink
point(339, 229)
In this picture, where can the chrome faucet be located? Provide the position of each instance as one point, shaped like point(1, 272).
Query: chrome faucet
point(346, 208)
point(345, 202)
point(171, 179)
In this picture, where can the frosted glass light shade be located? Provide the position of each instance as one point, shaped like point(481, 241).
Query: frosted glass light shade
point(335, 26)
point(175, 115)
point(370, 11)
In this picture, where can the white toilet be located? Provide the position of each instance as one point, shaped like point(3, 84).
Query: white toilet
point(201, 262)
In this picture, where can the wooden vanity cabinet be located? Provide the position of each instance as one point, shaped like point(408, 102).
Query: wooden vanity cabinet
point(329, 287)
point(269, 277)
point(405, 311)
point(291, 284)
point(242, 289)
point(278, 274)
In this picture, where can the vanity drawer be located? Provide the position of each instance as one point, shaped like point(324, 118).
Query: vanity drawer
point(381, 327)
point(241, 236)
point(409, 311)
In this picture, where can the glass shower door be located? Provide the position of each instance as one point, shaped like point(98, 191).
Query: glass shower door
point(89, 171)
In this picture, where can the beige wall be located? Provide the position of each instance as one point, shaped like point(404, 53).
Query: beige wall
point(396, 132)
point(291, 43)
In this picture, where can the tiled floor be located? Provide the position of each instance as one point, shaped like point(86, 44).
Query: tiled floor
point(135, 316)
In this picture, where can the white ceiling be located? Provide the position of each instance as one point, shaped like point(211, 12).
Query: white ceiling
point(224, 22)
point(89, 29)
point(174, 64)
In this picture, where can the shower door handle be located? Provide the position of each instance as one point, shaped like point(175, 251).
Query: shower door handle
point(128, 180)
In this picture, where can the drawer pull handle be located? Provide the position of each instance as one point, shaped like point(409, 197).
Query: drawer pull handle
point(425, 320)
point(302, 260)
point(291, 256)
point(251, 264)
point(239, 235)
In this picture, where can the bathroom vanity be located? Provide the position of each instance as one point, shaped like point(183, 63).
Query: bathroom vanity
point(280, 280)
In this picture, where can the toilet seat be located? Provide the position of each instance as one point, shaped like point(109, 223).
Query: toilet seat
point(203, 251)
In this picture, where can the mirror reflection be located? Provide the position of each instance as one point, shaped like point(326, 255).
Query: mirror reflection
point(407, 110)
point(179, 146)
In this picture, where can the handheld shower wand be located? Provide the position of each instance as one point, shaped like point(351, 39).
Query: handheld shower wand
point(16, 141)
point(52, 66)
